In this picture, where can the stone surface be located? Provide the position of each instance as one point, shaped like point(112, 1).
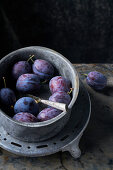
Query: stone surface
point(96, 144)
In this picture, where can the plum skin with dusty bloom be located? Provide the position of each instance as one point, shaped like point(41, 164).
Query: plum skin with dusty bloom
point(25, 117)
point(59, 83)
point(7, 96)
point(48, 113)
point(19, 68)
point(28, 83)
point(96, 80)
point(26, 104)
point(43, 69)
point(61, 97)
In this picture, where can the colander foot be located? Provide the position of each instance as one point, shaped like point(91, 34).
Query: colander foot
point(73, 148)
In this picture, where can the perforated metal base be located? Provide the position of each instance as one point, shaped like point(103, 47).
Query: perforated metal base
point(66, 140)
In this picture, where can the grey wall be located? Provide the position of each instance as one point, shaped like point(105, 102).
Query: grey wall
point(82, 30)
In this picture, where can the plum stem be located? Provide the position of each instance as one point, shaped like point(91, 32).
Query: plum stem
point(84, 74)
point(30, 58)
point(37, 99)
point(4, 82)
point(69, 92)
point(12, 106)
point(45, 81)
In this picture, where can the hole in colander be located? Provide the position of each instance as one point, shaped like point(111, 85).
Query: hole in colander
point(42, 146)
point(65, 137)
point(16, 144)
point(28, 147)
point(54, 143)
point(5, 139)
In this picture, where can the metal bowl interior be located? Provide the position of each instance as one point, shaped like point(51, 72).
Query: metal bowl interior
point(61, 64)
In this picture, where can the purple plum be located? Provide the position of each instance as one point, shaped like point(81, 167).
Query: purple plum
point(48, 113)
point(96, 80)
point(21, 67)
point(28, 83)
point(25, 117)
point(59, 83)
point(26, 104)
point(7, 96)
point(61, 97)
point(43, 69)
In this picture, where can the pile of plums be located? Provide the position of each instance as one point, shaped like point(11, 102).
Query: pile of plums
point(29, 78)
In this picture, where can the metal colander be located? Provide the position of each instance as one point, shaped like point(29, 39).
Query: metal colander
point(34, 132)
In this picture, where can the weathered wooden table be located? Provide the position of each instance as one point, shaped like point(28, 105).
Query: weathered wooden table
point(96, 144)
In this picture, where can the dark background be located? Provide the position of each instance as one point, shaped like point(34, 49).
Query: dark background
point(82, 30)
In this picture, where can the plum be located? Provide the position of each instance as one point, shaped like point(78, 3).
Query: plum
point(61, 97)
point(43, 69)
point(21, 67)
point(28, 83)
point(48, 113)
point(25, 117)
point(96, 80)
point(26, 104)
point(7, 96)
point(59, 83)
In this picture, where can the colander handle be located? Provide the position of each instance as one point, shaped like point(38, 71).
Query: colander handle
point(60, 106)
